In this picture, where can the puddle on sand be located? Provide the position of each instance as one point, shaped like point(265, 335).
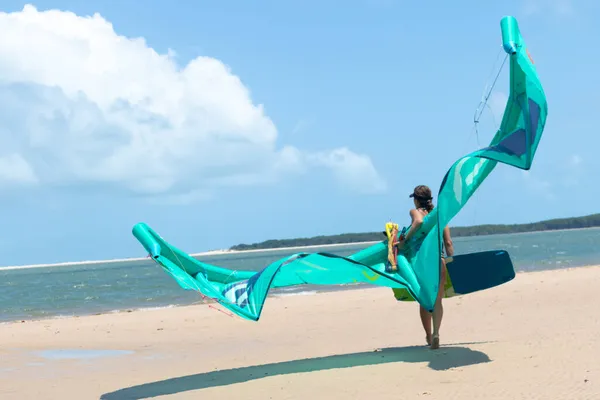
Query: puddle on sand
point(80, 354)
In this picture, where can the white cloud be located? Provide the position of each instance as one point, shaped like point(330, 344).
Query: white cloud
point(538, 185)
point(558, 7)
point(82, 104)
point(352, 170)
point(497, 104)
point(551, 181)
point(576, 160)
point(14, 169)
point(301, 126)
point(573, 171)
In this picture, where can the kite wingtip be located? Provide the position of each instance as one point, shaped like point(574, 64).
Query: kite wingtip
point(511, 36)
point(143, 234)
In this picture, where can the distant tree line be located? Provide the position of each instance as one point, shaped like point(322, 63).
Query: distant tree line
point(588, 221)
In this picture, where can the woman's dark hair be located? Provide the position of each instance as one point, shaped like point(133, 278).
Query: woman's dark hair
point(422, 194)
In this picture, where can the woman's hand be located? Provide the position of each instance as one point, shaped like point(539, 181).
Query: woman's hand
point(400, 244)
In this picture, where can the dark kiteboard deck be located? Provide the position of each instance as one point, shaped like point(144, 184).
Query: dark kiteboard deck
point(472, 272)
point(479, 271)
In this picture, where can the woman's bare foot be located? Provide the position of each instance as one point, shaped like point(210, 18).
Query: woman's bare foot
point(436, 342)
point(428, 340)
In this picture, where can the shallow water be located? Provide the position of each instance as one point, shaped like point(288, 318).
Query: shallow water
point(80, 354)
point(97, 288)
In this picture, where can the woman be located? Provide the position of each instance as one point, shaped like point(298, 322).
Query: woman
point(423, 206)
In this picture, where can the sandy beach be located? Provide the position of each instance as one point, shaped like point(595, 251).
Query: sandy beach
point(533, 338)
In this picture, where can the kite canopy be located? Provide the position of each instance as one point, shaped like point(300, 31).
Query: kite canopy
point(515, 143)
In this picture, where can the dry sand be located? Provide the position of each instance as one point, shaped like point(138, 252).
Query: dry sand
point(533, 338)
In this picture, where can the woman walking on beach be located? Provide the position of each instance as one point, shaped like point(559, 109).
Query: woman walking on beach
point(423, 205)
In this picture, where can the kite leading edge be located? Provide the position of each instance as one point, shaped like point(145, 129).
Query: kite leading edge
point(417, 275)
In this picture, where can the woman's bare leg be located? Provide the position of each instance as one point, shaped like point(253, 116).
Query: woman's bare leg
point(426, 321)
point(438, 310)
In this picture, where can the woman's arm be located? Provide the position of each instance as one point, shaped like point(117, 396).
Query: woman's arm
point(448, 245)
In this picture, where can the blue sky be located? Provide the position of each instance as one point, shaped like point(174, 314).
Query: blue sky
point(225, 122)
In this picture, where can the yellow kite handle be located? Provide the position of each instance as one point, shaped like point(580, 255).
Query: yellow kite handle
point(390, 227)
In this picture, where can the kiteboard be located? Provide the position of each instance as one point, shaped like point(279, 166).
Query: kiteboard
point(471, 272)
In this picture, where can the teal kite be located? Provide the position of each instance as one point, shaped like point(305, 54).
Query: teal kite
point(417, 277)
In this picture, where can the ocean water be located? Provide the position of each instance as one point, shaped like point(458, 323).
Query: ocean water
point(33, 293)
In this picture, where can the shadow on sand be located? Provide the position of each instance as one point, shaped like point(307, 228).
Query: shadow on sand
point(450, 356)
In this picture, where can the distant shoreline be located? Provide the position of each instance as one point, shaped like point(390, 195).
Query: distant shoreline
point(206, 253)
point(557, 224)
point(228, 251)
